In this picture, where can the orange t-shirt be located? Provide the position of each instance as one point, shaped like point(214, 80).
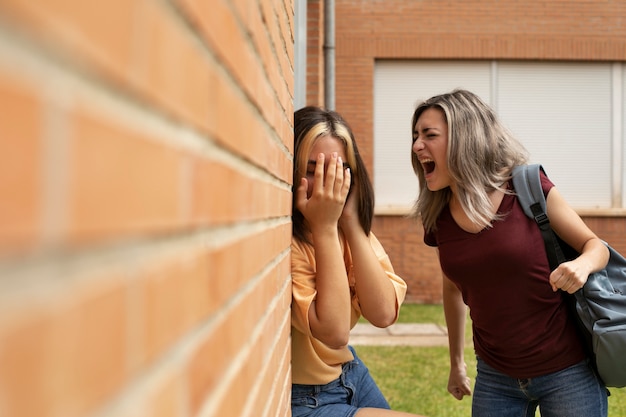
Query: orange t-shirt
point(314, 363)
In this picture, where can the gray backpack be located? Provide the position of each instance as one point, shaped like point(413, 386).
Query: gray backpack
point(600, 306)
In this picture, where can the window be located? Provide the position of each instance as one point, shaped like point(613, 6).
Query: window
point(569, 116)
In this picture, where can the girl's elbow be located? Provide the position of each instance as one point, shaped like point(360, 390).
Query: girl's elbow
point(334, 339)
point(383, 324)
point(607, 255)
point(602, 252)
point(337, 341)
point(384, 319)
point(340, 342)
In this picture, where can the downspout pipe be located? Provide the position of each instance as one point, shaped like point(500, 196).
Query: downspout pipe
point(300, 52)
point(329, 54)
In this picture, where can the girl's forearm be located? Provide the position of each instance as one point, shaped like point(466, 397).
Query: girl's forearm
point(329, 315)
point(376, 293)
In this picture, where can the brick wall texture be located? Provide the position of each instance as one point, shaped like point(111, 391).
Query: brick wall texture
point(366, 30)
point(145, 201)
point(145, 180)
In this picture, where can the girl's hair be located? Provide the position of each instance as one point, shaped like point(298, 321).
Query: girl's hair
point(481, 155)
point(311, 123)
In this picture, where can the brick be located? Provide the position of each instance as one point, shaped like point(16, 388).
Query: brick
point(216, 354)
point(21, 156)
point(124, 192)
point(121, 183)
point(160, 394)
point(99, 35)
point(220, 28)
point(277, 370)
point(240, 260)
point(412, 260)
point(281, 47)
point(175, 297)
point(266, 359)
point(228, 200)
point(65, 358)
point(163, 306)
point(167, 399)
point(172, 69)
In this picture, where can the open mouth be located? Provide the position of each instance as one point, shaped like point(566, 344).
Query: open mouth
point(428, 165)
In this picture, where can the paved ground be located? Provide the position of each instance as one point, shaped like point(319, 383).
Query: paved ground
point(411, 334)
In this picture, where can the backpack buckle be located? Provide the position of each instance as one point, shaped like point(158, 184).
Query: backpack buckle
point(542, 219)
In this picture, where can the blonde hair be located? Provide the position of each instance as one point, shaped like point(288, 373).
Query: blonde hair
point(316, 131)
point(481, 155)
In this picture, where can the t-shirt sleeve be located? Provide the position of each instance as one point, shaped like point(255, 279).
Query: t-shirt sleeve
point(303, 286)
point(546, 184)
point(304, 290)
point(399, 285)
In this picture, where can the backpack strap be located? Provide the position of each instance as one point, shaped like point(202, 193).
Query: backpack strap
point(527, 184)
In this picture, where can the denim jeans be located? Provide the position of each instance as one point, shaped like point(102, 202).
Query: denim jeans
point(355, 388)
point(572, 392)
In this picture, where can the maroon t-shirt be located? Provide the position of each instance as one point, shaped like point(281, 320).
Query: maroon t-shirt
point(520, 326)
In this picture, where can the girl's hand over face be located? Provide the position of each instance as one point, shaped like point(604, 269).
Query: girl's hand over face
point(326, 202)
point(350, 214)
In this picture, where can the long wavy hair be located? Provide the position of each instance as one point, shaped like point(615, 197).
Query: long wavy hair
point(311, 123)
point(481, 155)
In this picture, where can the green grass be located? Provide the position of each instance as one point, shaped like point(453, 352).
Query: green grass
point(422, 313)
point(414, 378)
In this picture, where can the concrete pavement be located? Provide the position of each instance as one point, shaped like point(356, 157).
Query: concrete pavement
point(400, 334)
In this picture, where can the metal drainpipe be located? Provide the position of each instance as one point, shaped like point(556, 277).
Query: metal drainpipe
point(329, 54)
point(300, 54)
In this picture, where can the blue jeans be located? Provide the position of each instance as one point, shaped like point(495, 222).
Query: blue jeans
point(572, 392)
point(355, 388)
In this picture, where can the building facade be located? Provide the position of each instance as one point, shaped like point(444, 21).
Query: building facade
point(526, 59)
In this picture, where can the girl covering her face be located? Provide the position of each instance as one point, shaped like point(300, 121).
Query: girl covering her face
point(339, 270)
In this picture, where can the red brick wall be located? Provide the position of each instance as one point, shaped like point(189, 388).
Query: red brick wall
point(315, 53)
point(145, 179)
point(415, 262)
point(462, 29)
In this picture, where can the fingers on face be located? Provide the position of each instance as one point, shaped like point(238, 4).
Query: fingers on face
point(301, 194)
point(347, 179)
point(333, 174)
point(339, 180)
point(319, 172)
point(335, 180)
